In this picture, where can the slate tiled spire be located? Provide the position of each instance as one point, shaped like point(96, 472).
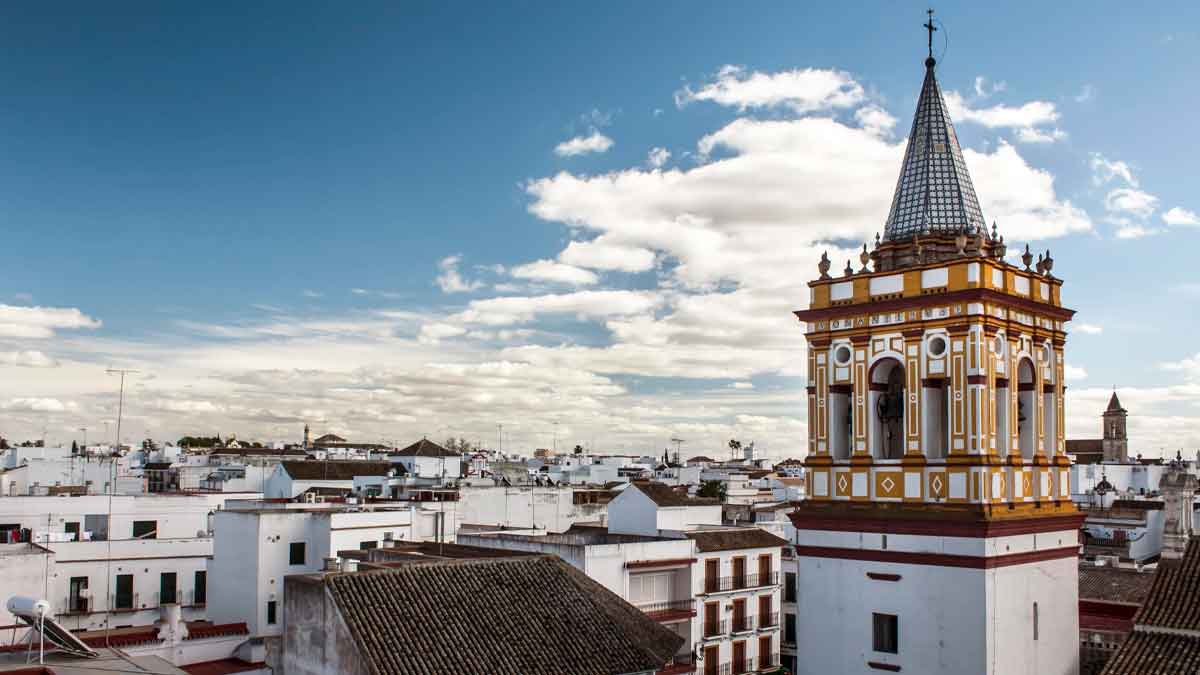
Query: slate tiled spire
point(934, 194)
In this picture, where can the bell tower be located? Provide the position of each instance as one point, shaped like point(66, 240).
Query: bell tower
point(1116, 441)
point(938, 534)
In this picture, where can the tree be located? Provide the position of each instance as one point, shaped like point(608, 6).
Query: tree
point(3, 443)
point(712, 489)
point(578, 449)
point(74, 448)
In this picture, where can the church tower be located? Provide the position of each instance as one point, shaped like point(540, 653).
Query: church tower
point(1115, 442)
point(938, 533)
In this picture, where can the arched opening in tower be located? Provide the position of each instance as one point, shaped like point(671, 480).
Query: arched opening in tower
point(1026, 408)
point(887, 405)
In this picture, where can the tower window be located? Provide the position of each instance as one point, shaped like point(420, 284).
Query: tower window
point(886, 633)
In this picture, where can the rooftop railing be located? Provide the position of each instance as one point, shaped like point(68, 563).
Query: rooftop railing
point(737, 583)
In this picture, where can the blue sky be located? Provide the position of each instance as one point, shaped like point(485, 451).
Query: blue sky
point(298, 212)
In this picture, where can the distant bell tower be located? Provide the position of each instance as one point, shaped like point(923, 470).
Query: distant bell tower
point(307, 438)
point(938, 534)
point(1116, 441)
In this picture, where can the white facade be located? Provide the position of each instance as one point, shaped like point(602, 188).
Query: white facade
point(254, 550)
point(554, 509)
point(962, 604)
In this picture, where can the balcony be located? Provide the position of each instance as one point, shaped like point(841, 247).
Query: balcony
point(672, 610)
point(715, 629)
point(769, 620)
point(738, 583)
point(678, 666)
point(768, 661)
point(77, 604)
point(742, 624)
point(125, 602)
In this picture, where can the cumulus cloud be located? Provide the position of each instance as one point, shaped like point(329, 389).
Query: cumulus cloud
point(449, 279)
point(876, 120)
point(36, 405)
point(657, 157)
point(1074, 372)
point(1032, 122)
point(1180, 216)
point(584, 305)
point(41, 322)
point(1106, 170)
point(801, 90)
point(1131, 201)
point(985, 89)
point(555, 272)
point(1089, 328)
point(582, 145)
point(28, 358)
point(602, 254)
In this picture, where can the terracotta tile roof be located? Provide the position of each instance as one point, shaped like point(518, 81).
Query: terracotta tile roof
point(700, 458)
point(665, 495)
point(1174, 600)
point(222, 667)
point(1111, 584)
point(425, 448)
point(335, 469)
point(728, 540)
point(509, 616)
point(1144, 653)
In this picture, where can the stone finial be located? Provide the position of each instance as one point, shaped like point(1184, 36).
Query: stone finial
point(1040, 266)
point(1048, 263)
point(1027, 258)
point(993, 230)
point(864, 258)
point(849, 271)
point(824, 265)
point(1001, 248)
point(961, 242)
point(876, 240)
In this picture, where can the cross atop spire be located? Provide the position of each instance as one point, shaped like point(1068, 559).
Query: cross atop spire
point(929, 62)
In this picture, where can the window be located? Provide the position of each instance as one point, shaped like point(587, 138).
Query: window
point(72, 529)
point(77, 601)
point(124, 596)
point(789, 587)
point(1035, 621)
point(145, 529)
point(200, 588)
point(886, 633)
point(367, 545)
point(296, 553)
point(789, 628)
point(166, 588)
point(271, 612)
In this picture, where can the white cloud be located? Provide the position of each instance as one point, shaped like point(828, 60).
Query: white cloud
point(658, 157)
point(601, 254)
point(802, 90)
point(1131, 201)
point(41, 322)
point(1134, 231)
point(556, 272)
point(1089, 328)
point(36, 405)
point(1189, 366)
point(742, 386)
point(1105, 170)
point(312, 294)
point(1071, 372)
point(1180, 216)
point(28, 358)
point(583, 304)
point(876, 120)
point(432, 333)
point(359, 291)
point(1086, 93)
point(1029, 121)
point(984, 89)
point(450, 281)
point(582, 145)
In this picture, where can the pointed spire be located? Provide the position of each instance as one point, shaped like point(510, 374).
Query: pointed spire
point(1114, 404)
point(934, 193)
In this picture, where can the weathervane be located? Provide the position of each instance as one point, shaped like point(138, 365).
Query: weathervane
point(930, 27)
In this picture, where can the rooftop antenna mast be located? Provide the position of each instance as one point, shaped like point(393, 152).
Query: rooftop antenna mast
point(112, 487)
point(678, 442)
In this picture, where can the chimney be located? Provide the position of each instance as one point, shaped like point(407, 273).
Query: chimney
point(331, 565)
point(349, 565)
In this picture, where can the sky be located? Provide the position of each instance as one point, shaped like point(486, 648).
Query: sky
point(586, 222)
